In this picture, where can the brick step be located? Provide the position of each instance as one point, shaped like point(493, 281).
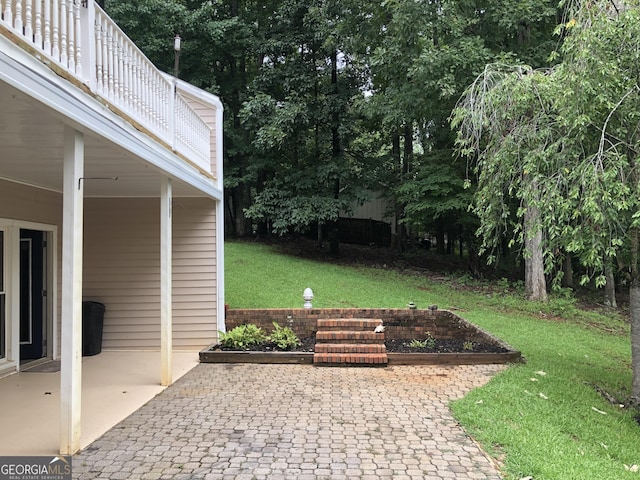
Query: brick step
point(362, 324)
point(341, 336)
point(350, 348)
point(348, 359)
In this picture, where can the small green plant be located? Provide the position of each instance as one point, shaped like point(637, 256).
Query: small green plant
point(468, 346)
point(242, 336)
point(418, 343)
point(427, 343)
point(283, 337)
point(503, 284)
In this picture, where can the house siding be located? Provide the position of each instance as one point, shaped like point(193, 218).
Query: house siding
point(208, 115)
point(122, 270)
point(378, 208)
point(21, 202)
point(122, 263)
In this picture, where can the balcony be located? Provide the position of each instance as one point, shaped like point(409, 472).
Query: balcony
point(78, 41)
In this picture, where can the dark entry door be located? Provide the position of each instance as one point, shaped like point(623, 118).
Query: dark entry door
point(32, 274)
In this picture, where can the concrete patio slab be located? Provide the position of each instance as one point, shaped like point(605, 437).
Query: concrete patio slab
point(115, 384)
point(263, 421)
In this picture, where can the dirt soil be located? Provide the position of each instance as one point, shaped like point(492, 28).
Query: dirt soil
point(393, 346)
point(306, 345)
point(443, 346)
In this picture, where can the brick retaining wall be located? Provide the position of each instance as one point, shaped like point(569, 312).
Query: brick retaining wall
point(399, 323)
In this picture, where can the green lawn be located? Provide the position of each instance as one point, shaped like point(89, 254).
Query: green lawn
point(544, 419)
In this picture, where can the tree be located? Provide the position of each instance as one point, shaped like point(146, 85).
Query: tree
point(152, 25)
point(418, 58)
point(326, 99)
point(505, 123)
point(568, 140)
point(599, 107)
point(299, 121)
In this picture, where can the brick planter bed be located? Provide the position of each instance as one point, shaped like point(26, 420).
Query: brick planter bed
point(399, 324)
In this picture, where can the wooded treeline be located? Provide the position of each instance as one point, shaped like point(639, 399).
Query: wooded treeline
point(327, 101)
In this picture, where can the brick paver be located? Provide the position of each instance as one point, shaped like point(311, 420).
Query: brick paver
point(256, 421)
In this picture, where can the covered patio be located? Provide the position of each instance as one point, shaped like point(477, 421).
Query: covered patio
point(111, 192)
point(114, 385)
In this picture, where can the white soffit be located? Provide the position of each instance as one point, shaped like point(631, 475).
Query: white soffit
point(34, 103)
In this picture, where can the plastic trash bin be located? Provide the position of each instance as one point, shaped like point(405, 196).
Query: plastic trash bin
point(92, 322)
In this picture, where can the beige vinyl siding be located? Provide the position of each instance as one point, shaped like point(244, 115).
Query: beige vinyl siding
point(121, 263)
point(194, 271)
point(208, 114)
point(122, 270)
point(20, 202)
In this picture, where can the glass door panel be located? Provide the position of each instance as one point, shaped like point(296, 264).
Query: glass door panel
point(32, 325)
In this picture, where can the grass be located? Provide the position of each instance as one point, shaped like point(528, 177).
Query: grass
point(544, 419)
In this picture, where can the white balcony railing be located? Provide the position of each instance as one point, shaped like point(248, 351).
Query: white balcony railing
point(77, 36)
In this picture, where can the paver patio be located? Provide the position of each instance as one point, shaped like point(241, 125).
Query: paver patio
point(263, 421)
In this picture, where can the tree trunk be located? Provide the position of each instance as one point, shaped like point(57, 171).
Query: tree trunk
point(567, 268)
point(534, 282)
point(634, 314)
point(400, 229)
point(440, 247)
point(240, 196)
point(319, 238)
point(403, 160)
point(610, 285)
point(336, 150)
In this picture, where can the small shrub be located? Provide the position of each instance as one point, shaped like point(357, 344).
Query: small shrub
point(503, 284)
point(283, 337)
point(468, 346)
point(427, 343)
point(242, 336)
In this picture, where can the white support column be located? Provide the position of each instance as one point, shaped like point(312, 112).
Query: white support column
point(220, 311)
point(71, 348)
point(219, 162)
point(165, 281)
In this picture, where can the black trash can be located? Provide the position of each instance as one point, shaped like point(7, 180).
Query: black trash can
point(92, 322)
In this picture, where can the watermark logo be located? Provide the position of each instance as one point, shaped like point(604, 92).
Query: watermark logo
point(35, 468)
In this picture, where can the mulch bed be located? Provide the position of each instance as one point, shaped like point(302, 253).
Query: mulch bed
point(443, 346)
point(393, 346)
point(306, 345)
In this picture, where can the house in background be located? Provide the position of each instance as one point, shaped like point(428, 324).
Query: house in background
point(110, 191)
point(373, 223)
